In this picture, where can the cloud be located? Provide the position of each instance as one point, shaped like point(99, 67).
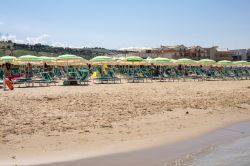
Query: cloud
point(8, 37)
point(1, 23)
point(43, 39)
point(57, 44)
point(135, 49)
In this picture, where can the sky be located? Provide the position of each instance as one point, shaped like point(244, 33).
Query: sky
point(116, 24)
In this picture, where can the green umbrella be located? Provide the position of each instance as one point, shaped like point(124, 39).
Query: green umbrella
point(68, 57)
point(28, 58)
point(134, 59)
point(149, 59)
point(240, 62)
point(160, 60)
point(7, 58)
point(102, 58)
point(208, 61)
point(185, 60)
point(173, 60)
point(224, 62)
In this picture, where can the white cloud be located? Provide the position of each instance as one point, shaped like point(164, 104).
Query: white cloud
point(43, 39)
point(57, 44)
point(8, 37)
point(135, 49)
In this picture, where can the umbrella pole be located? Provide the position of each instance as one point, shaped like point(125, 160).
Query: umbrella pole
point(4, 85)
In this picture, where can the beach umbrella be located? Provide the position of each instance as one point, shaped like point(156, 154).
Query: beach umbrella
point(25, 59)
point(28, 58)
point(122, 58)
point(185, 60)
point(240, 62)
point(224, 62)
point(102, 60)
point(149, 59)
point(70, 60)
point(207, 61)
point(69, 57)
point(134, 59)
point(7, 58)
point(46, 59)
point(160, 60)
point(173, 60)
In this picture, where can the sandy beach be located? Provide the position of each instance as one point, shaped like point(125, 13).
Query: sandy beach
point(51, 124)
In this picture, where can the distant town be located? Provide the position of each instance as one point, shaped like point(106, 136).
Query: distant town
point(175, 52)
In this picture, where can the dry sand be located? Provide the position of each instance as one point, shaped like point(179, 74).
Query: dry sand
point(48, 124)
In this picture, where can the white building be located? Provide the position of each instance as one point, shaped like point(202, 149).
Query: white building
point(240, 55)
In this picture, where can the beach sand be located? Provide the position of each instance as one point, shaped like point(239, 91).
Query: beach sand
point(50, 124)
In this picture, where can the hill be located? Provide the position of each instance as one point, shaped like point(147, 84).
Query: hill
point(16, 49)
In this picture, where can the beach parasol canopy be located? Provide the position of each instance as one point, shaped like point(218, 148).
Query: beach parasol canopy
point(7, 58)
point(28, 58)
point(102, 58)
point(185, 60)
point(241, 63)
point(160, 60)
point(134, 59)
point(45, 58)
point(224, 62)
point(173, 60)
point(207, 61)
point(68, 57)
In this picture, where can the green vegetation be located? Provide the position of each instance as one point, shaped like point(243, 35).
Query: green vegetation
point(2, 52)
point(18, 53)
point(18, 49)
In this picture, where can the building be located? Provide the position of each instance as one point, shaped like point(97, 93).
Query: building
point(248, 55)
point(197, 53)
point(173, 51)
point(181, 51)
point(218, 54)
point(239, 54)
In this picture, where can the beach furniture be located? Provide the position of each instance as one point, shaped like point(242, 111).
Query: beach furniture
point(84, 78)
point(46, 78)
point(106, 78)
